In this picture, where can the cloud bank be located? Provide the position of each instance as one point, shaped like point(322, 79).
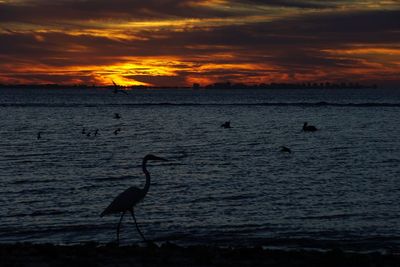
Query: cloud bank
point(181, 42)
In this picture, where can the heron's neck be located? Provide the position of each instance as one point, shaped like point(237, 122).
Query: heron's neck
point(146, 172)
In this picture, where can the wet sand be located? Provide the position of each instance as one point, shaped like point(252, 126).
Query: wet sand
point(172, 255)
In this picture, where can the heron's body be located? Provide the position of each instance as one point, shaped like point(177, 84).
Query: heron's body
point(125, 201)
point(128, 199)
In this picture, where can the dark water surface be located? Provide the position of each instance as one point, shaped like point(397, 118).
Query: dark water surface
point(340, 185)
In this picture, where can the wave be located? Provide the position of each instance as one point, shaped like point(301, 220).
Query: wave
point(294, 104)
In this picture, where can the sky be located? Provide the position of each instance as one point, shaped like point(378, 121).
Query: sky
point(181, 42)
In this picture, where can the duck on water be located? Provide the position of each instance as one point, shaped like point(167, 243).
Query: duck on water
point(309, 128)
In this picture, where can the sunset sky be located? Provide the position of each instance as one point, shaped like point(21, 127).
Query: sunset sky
point(180, 42)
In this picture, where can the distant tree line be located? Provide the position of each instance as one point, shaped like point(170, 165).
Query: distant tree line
point(308, 85)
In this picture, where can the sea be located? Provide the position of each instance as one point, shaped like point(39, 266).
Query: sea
point(338, 188)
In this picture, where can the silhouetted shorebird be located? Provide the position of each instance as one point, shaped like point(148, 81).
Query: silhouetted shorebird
point(39, 135)
point(285, 149)
point(127, 200)
point(117, 116)
point(309, 128)
point(226, 124)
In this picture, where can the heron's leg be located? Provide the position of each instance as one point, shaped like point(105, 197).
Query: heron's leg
point(137, 226)
point(119, 225)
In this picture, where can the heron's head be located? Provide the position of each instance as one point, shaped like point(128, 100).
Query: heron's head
point(152, 157)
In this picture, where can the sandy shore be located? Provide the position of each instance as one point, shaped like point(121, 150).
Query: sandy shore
point(172, 255)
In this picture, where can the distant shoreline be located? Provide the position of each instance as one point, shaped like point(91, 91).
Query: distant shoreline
point(26, 254)
point(215, 86)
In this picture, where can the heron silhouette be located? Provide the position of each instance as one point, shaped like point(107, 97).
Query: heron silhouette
point(127, 200)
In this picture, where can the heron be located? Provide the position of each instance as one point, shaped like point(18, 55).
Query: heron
point(309, 128)
point(126, 201)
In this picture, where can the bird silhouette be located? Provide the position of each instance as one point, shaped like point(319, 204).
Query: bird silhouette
point(117, 116)
point(117, 90)
point(285, 149)
point(39, 135)
point(117, 131)
point(127, 200)
point(309, 128)
point(226, 124)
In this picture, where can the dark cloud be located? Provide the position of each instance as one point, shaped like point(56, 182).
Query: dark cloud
point(293, 3)
point(63, 11)
point(287, 46)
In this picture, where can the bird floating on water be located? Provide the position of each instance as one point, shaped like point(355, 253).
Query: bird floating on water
point(117, 131)
point(285, 149)
point(126, 201)
point(226, 124)
point(117, 116)
point(309, 128)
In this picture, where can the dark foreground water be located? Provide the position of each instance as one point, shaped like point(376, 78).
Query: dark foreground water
point(340, 185)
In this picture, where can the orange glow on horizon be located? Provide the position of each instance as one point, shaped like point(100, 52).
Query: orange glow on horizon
point(178, 43)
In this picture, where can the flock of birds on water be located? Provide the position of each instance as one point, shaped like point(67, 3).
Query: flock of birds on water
point(128, 199)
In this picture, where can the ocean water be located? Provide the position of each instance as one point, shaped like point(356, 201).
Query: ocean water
point(340, 186)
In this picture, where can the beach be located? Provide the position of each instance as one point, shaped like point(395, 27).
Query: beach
point(26, 254)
